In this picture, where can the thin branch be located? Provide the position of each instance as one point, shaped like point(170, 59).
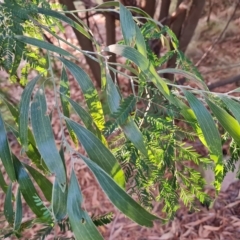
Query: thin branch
point(219, 38)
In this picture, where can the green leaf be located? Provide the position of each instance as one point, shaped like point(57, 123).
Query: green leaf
point(5, 154)
point(44, 184)
point(133, 133)
point(98, 152)
point(210, 134)
point(226, 120)
point(64, 18)
point(32, 151)
point(127, 25)
point(140, 42)
point(59, 202)
point(81, 223)
point(113, 96)
point(119, 197)
point(43, 44)
point(89, 91)
point(103, 219)
point(8, 207)
point(130, 128)
point(143, 63)
point(207, 125)
point(186, 74)
point(59, 198)
point(24, 110)
point(84, 115)
point(64, 92)
point(121, 116)
point(26, 187)
point(44, 138)
point(64, 96)
point(18, 212)
point(233, 106)
point(3, 184)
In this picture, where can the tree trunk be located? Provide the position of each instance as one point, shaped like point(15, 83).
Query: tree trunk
point(191, 23)
point(164, 11)
point(185, 20)
point(85, 44)
point(149, 7)
point(110, 32)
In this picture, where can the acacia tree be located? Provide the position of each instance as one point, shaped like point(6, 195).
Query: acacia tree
point(150, 153)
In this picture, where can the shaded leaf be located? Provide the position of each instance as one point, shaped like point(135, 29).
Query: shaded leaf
point(3, 184)
point(64, 18)
point(26, 187)
point(119, 197)
point(103, 219)
point(98, 152)
point(5, 154)
point(18, 212)
point(129, 127)
point(44, 184)
point(8, 207)
point(44, 138)
point(59, 198)
point(42, 44)
point(24, 110)
point(133, 133)
point(127, 26)
point(81, 223)
point(64, 92)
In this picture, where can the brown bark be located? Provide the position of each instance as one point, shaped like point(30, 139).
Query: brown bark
point(149, 7)
point(176, 27)
point(185, 20)
point(110, 31)
point(85, 43)
point(191, 23)
point(164, 11)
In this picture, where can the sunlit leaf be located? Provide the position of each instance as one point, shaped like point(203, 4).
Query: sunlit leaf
point(233, 106)
point(231, 125)
point(89, 91)
point(143, 63)
point(207, 125)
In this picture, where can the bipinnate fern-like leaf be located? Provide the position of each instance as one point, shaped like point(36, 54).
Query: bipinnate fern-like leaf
point(103, 219)
point(120, 117)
